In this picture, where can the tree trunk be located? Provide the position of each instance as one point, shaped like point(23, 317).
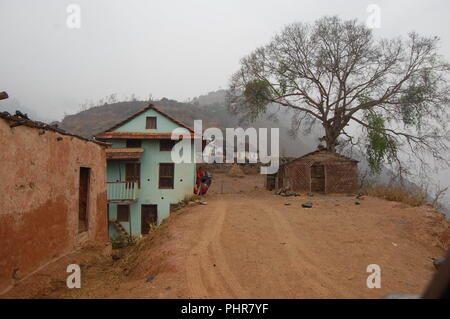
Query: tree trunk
point(331, 138)
point(331, 146)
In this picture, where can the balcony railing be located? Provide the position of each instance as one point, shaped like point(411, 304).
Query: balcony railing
point(119, 192)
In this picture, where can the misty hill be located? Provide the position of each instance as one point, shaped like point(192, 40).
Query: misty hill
point(210, 99)
point(99, 118)
point(210, 108)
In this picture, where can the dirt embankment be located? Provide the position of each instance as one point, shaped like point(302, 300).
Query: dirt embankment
point(248, 243)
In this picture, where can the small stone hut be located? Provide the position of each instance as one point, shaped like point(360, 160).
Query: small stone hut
point(320, 171)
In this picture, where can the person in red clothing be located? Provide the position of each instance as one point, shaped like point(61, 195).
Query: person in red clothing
point(203, 181)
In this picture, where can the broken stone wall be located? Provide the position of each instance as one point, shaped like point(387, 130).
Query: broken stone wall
point(341, 176)
point(296, 176)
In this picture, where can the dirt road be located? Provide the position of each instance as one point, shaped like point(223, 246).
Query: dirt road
point(258, 245)
point(261, 248)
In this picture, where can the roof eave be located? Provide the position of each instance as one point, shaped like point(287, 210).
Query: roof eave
point(145, 109)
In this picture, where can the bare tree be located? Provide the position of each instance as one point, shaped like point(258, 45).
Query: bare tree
point(438, 194)
point(335, 72)
point(112, 98)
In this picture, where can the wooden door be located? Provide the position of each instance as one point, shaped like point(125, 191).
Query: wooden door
point(123, 213)
point(318, 178)
point(149, 215)
point(271, 182)
point(83, 193)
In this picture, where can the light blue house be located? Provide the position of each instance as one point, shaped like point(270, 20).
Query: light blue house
point(143, 181)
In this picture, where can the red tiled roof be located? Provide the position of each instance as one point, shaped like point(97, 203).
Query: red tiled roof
point(150, 107)
point(124, 153)
point(138, 135)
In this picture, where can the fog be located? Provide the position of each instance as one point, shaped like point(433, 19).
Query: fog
point(174, 49)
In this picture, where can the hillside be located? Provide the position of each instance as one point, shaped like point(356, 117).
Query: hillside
point(99, 118)
point(210, 108)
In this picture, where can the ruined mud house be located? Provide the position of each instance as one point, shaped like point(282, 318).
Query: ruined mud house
point(53, 195)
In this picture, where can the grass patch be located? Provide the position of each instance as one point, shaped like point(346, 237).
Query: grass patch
point(122, 241)
point(412, 197)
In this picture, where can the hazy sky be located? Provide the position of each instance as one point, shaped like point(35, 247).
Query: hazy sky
point(174, 49)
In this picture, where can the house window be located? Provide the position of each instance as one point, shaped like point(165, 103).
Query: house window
point(166, 145)
point(133, 173)
point(134, 143)
point(166, 175)
point(123, 213)
point(150, 122)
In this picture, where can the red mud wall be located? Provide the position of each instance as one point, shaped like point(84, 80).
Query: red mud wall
point(39, 186)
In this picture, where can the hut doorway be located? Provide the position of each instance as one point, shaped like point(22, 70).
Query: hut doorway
point(318, 178)
point(271, 182)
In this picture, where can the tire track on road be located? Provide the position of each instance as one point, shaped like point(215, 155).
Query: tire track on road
point(199, 280)
point(217, 251)
point(298, 259)
point(203, 279)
